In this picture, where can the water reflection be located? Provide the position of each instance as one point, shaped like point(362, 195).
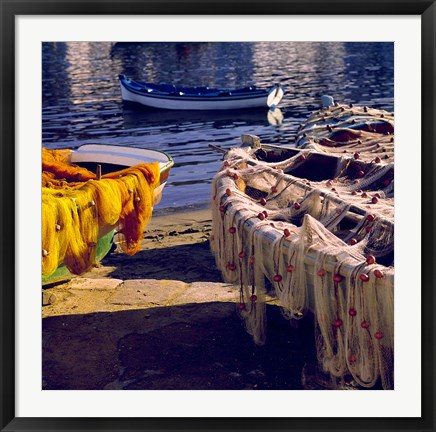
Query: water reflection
point(82, 102)
point(137, 117)
point(187, 64)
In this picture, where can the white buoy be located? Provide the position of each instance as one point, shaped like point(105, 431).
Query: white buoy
point(327, 101)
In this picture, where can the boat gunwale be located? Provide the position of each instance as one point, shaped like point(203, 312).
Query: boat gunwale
point(164, 165)
point(178, 94)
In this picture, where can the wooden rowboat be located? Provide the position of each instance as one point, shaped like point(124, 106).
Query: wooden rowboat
point(166, 96)
point(105, 160)
point(314, 232)
point(113, 158)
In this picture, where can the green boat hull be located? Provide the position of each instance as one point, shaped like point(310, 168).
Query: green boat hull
point(104, 245)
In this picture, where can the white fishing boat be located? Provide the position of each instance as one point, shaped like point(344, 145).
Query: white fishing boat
point(167, 96)
point(113, 158)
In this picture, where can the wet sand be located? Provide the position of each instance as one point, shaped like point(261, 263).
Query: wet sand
point(164, 319)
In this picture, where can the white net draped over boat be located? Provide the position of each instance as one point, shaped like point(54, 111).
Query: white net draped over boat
point(312, 247)
point(348, 129)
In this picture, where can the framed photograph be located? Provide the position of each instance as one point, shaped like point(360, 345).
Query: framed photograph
point(136, 112)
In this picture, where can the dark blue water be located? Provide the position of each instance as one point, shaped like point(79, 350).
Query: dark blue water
point(81, 101)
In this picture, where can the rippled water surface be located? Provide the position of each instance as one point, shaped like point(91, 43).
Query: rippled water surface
point(81, 100)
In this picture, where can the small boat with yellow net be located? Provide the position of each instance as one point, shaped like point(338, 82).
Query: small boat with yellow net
point(311, 229)
point(91, 194)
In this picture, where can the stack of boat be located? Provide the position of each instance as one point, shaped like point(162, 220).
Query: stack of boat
point(313, 228)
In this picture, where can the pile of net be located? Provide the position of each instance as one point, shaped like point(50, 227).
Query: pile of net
point(348, 129)
point(77, 208)
point(318, 247)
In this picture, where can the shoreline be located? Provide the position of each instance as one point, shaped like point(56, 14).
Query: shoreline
point(192, 208)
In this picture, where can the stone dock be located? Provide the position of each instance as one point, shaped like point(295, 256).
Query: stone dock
point(163, 319)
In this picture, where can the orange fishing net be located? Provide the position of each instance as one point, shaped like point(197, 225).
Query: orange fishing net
point(77, 209)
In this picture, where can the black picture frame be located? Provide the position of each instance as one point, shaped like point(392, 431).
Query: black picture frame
point(10, 9)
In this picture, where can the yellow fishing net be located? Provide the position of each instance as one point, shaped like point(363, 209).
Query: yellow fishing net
point(76, 208)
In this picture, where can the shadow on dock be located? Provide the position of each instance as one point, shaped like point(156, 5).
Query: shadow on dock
point(186, 262)
point(193, 346)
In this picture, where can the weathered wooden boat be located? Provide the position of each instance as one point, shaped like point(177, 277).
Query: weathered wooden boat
point(167, 96)
point(348, 129)
point(92, 194)
point(314, 231)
